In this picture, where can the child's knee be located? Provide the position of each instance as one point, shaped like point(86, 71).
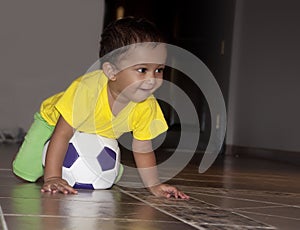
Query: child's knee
point(26, 172)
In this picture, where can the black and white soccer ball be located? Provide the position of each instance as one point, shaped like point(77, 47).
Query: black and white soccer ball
point(91, 161)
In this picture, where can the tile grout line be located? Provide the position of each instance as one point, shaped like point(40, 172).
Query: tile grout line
point(269, 215)
point(237, 226)
point(206, 224)
point(85, 217)
point(161, 210)
point(3, 222)
point(249, 200)
point(238, 214)
point(261, 207)
point(242, 190)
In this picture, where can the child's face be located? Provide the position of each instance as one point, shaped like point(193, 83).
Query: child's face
point(141, 73)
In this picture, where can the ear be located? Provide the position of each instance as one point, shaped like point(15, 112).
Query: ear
point(109, 70)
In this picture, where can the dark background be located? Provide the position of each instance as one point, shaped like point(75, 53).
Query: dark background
point(202, 27)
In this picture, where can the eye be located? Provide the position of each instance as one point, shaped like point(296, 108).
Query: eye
point(142, 70)
point(160, 70)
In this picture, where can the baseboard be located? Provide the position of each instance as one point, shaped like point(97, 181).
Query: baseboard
point(267, 154)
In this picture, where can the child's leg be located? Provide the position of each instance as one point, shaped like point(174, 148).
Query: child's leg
point(121, 170)
point(28, 162)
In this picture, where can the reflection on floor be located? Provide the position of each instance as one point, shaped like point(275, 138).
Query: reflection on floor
point(235, 193)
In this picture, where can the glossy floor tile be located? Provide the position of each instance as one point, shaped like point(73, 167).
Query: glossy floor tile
point(235, 193)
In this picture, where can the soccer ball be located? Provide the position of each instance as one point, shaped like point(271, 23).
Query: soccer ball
point(91, 161)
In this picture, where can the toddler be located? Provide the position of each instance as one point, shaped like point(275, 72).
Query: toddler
point(107, 102)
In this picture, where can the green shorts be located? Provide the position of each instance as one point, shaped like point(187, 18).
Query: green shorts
point(28, 162)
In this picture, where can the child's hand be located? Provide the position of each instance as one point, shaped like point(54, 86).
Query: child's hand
point(57, 184)
point(168, 191)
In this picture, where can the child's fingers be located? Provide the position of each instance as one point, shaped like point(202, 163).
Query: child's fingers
point(59, 187)
point(69, 190)
point(168, 191)
point(183, 196)
point(45, 190)
point(66, 189)
point(177, 194)
point(173, 191)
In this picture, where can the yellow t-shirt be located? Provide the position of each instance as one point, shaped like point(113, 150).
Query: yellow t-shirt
point(84, 105)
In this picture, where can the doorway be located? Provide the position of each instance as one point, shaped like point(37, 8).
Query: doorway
point(202, 27)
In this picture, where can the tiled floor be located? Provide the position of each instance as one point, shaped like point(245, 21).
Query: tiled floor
point(235, 193)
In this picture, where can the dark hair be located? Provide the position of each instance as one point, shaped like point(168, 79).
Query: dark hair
point(127, 31)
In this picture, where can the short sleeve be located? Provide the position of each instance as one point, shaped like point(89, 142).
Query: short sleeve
point(77, 104)
point(148, 120)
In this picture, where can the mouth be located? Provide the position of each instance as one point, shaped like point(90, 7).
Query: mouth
point(146, 89)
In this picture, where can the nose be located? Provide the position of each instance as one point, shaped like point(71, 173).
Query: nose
point(151, 79)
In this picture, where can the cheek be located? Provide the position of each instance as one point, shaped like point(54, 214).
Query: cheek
point(159, 82)
point(132, 86)
point(128, 83)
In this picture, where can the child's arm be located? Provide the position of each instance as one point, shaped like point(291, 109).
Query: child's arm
point(57, 149)
point(146, 163)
